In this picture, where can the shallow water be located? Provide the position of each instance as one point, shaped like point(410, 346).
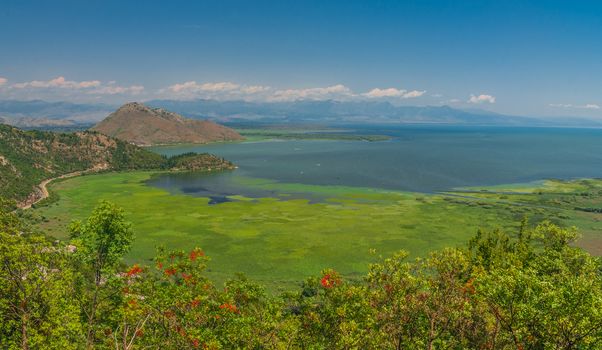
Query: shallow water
point(419, 158)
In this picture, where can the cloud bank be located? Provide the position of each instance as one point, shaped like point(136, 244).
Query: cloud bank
point(61, 88)
point(393, 92)
point(585, 106)
point(229, 90)
point(481, 99)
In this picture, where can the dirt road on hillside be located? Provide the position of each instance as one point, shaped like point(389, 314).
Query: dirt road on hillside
point(42, 193)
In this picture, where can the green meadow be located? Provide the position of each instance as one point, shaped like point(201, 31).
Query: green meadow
point(281, 241)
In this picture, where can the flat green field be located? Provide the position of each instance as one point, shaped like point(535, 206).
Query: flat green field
point(281, 241)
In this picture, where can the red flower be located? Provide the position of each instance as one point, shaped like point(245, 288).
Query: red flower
point(229, 307)
point(325, 281)
point(196, 253)
point(170, 272)
point(195, 343)
point(186, 276)
point(329, 280)
point(134, 270)
point(159, 265)
point(195, 303)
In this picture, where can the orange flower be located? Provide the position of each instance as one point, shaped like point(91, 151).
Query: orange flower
point(229, 307)
point(170, 272)
point(195, 343)
point(469, 287)
point(134, 270)
point(195, 303)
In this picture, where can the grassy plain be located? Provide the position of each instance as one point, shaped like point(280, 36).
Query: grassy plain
point(280, 241)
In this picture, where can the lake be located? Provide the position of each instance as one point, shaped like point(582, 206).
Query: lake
point(418, 158)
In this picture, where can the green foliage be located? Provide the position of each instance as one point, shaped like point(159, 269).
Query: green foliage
point(193, 161)
point(104, 238)
point(101, 243)
point(35, 291)
point(28, 157)
point(530, 289)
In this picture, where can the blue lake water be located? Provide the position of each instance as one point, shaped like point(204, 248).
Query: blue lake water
point(418, 158)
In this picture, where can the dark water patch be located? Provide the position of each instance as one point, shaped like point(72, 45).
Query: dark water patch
point(219, 187)
point(191, 189)
point(218, 199)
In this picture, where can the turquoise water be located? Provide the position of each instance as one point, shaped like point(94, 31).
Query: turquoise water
point(418, 158)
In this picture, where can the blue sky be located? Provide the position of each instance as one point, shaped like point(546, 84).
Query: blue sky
point(518, 57)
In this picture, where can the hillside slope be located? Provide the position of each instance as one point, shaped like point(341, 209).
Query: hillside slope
point(141, 125)
point(29, 157)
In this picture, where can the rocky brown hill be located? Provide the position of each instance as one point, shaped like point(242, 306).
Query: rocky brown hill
point(144, 126)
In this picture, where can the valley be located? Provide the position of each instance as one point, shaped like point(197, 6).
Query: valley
point(280, 240)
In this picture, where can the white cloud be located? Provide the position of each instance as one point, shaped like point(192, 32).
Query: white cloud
point(193, 86)
point(58, 82)
point(216, 90)
point(319, 93)
point(568, 105)
point(414, 94)
point(481, 99)
point(118, 90)
point(61, 88)
point(254, 89)
point(229, 90)
point(393, 92)
point(390, 92)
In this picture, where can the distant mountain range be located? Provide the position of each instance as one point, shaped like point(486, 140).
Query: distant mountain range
point(40, 113)
point(138, 124)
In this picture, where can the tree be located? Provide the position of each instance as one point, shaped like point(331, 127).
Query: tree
point(102, 242)
point(35, 290)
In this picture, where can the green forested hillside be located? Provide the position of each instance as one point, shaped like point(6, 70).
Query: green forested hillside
point(28, 157)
